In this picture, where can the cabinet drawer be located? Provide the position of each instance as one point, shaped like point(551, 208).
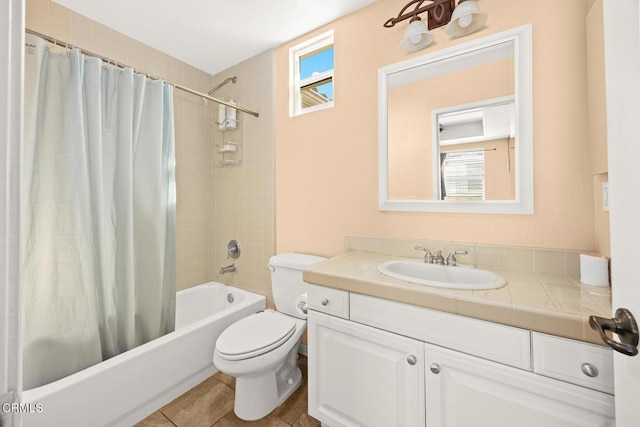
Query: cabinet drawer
point(503, 344)
point(330, 301)
point(576, 362)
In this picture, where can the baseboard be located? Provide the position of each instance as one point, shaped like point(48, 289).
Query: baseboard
point(303, 350)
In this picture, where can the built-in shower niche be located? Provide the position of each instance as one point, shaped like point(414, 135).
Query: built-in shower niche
point(229, 139)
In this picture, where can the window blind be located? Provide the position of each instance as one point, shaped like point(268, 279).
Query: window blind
point(463, 174)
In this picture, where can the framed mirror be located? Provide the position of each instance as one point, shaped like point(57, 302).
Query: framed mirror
point(455, 128)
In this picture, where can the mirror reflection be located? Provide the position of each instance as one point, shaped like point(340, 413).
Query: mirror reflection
point(451, 128)
point(476, 145)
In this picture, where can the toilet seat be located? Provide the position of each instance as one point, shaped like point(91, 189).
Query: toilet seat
point(255, 335)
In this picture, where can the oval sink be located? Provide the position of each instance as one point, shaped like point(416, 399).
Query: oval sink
point(442, 276)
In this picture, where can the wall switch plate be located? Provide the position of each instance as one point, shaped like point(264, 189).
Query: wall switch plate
point(605, 196)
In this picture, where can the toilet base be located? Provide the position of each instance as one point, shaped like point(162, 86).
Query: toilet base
point(257, 396)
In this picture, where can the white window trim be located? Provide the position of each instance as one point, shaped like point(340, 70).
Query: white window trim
point(295, 84)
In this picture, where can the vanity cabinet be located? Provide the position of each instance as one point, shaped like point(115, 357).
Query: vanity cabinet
point(362, 376)
point(384, 363)
point(466, 391)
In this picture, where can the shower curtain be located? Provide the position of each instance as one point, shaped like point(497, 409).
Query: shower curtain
point(98, 212)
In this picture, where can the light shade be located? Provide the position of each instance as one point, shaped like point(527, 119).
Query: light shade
point(416, 36)
point(466, 18)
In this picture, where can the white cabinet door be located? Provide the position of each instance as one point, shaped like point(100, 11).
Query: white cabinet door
point(361, 376)
point(465, 391)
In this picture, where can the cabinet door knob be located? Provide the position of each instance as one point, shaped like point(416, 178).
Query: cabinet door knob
point(324, 302)
point(589, 370)
point(412, 360)
point(435, 368)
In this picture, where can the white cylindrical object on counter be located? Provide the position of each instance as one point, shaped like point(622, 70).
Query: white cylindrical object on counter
point(302, 298)
point(594, 270)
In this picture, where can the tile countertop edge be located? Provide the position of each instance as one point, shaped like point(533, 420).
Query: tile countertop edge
point(355, 272)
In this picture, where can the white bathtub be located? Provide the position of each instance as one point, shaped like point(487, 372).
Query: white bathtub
point(128, 387)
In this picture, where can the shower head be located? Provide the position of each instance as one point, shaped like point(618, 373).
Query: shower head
point(233, 80)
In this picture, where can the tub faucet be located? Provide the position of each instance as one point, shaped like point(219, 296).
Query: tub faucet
point(229, 269)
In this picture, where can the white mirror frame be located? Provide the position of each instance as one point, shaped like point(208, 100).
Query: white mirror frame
point(523, 203)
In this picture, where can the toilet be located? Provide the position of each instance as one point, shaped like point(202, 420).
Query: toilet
point(261, 350)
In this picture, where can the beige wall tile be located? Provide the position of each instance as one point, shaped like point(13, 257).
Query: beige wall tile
point(38, 6)
point(81, 38)
point(490, 256)
point(363, 244)
point(60, 29)
point(37, 21)
point(60, 13)
point(520, 259)
point(81, 22)
point(243, 195)
point(101, 31)
point(548, 261)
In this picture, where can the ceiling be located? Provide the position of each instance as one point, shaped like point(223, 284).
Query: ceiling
point(213, 34)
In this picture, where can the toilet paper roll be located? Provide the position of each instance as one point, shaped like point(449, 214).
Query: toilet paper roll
point(301, 305)
point(594, 270)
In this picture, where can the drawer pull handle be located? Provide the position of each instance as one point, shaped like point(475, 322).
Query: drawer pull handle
point(589, 370)
point(412, 360)
point(435, 368)
point(324, 302)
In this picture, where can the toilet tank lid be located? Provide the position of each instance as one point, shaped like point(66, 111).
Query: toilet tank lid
point(294, 261)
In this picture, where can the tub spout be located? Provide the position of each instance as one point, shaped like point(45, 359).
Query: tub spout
point(229, 268)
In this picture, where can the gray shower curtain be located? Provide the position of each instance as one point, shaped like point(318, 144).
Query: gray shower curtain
point(98, 212)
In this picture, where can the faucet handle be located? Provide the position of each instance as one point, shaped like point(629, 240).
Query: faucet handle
point(428, 258)
point(451, 259)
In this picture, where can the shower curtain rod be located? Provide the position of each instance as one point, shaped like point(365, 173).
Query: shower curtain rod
point(151, 76)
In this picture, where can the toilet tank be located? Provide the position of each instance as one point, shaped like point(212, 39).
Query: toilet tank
point(286, 280)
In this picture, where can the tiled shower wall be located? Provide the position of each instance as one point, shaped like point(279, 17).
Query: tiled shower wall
point(194, 147)
point(244, 194)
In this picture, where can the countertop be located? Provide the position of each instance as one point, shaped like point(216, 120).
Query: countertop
point(548, 303)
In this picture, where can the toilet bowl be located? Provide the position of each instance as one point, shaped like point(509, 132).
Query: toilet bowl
point(261, 350)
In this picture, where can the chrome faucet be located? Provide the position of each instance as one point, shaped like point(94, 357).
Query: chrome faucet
point(451, 259)
point(428, 257)
point(438, 258)
point(229, 269)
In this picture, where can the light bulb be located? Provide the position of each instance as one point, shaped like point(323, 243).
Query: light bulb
point(465, 20)
point(415, 39)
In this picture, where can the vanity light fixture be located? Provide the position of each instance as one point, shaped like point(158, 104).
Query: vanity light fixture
point(416, 36)
point(460, 20)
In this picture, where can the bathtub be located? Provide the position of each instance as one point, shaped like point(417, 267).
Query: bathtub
point(126, 388)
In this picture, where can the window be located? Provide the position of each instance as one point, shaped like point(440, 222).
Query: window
point(462, 175)
point(311, 74)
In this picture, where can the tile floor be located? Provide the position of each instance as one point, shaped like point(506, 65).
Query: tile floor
point(210, 404)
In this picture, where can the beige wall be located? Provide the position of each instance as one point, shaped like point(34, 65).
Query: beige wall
point(597, 123)
point(244, 195)
point(410, 112)
point(194, 149)
point(326, 176)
